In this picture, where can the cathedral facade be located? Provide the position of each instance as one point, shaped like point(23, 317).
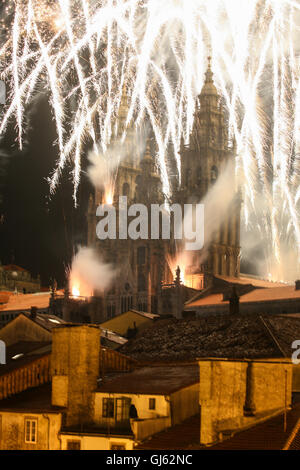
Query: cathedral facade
point(146, 268)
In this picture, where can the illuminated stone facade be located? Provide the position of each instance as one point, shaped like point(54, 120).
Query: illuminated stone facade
point(148, 266)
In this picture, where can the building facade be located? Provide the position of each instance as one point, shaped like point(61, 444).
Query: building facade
point(147, 266)
point(18, 279)
point(65, 400)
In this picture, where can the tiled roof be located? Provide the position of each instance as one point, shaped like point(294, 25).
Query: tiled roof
point(244, 279)
point(37, 399)
point(269, 435)
point(180, 436)
point(13, 267)
point(26, 301)
point(151, 316)
point(46, 320)
point(256, 295)
point(231, 336)
point(22, 353)
point(4, 297)
point(157, 380)
point(112, 336)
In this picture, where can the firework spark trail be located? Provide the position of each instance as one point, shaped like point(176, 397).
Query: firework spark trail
point(83, 52)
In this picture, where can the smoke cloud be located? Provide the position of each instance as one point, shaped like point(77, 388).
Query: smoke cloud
point(104, 165)
point(89, 273)
point(217, 206)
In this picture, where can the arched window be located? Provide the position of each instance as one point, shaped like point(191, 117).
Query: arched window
point(125, 189)
point(141, 282)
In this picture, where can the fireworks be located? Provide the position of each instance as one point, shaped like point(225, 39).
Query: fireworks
point(84, 51)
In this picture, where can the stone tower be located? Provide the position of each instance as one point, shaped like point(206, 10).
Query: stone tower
point(75, 370)
point(204, 159)
point(142, 264)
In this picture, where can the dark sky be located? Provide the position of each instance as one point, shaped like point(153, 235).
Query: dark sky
point(40, 232)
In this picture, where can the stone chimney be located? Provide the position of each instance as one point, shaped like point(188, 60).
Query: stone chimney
point(75, 370)
point(234, 303)
point(33, 312)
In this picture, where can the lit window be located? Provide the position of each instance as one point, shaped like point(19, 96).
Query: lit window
point(31, 431)
point(108, 407)
point(152, 404)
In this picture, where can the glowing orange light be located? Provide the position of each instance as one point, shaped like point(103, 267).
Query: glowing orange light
point(75, 291)
point(79, 288)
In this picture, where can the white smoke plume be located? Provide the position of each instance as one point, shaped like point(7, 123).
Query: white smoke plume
point(89, 274)
point(104, 164)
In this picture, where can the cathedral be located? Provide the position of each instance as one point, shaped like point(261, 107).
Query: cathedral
point(148, 271)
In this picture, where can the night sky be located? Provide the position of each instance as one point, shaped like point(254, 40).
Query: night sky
point(39, 232)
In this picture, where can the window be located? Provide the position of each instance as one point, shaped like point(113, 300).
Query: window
point(116, 408)
point(125, 189)
point(141, 281)
point(73, 445)
point(152, 404)
point(108, 407)
point(31, 431)
point(141, 255)
point(122, 409)
point(111, 310)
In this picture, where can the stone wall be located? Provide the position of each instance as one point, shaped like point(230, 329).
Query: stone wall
point(75, 370)
point(12, 430)
point(235, 394)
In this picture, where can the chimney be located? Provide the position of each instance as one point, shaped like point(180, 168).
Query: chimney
point(33, 312)
point(297, 284)
point(234, 302)
point(75, 370)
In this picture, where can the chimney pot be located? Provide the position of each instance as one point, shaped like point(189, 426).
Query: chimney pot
point(33, 312)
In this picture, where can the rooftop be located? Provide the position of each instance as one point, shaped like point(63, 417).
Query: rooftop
point(26, 301)
point(254, 281)
point(155, 380)
point(256, 295)
point(14, 267)
point(268, 435)
point(22, 353)
point(230, 336)
point(37, 399)
point(180, 436)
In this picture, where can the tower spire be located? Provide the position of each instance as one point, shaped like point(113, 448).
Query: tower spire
point(208, 73)
point(209, 87)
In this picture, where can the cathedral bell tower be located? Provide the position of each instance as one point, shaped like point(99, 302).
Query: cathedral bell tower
point(203, 160)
